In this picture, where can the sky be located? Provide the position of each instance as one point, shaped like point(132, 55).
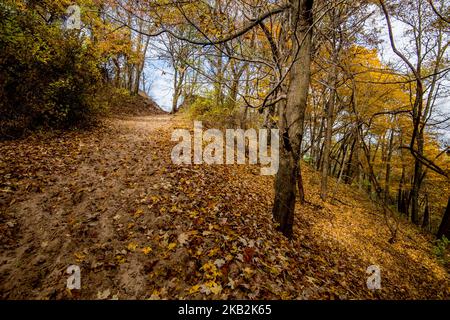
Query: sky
point(387, 55)
point(161, 77)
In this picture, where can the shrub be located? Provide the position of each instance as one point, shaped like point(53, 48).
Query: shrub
point(48, 76)
point(204, 108)
point(440, 249)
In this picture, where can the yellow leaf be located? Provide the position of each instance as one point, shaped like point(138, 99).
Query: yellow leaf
point(213, 252)
point(211, 271)
point(120, 259)
point(132, 246)
point(79, 256)
point(248, 272)
point(138, 212)
point(171, 246)
point(211, 287)
point(146, 250)
point(194, 289)
point(193, 214)
point(155, 295)
point(216, 289)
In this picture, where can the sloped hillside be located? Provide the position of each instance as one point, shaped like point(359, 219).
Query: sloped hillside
point(112, 202)
point(134, 105)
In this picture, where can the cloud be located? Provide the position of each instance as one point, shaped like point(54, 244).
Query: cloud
point(161, 89)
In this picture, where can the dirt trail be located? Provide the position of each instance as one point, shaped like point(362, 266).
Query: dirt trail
point(79, 207)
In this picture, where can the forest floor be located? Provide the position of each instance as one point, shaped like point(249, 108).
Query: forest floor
point(111, 201)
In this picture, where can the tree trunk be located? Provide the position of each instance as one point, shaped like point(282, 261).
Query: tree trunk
point(444, 228)
point(387, 177)
point(342, 164)
point(327, 144)
point(218, 84)
point(350, 161)
point(140, 67)
point(426, 214)
point(176, 94)
point(292, 117)
point(401, 193)
point(301, 190)
point(416, 182)
point(319, 147)
point(330, 109)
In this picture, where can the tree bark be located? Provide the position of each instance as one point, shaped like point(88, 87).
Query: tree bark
point(444, 228)
point(387, 177)
point(401, 201)
point(350, 163)
point(330, 108)
point(177, 85)
point(327, 145)
point(426, 214)
point(292, 116)
point(416, 183)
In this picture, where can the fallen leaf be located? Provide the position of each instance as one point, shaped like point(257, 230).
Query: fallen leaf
point(102, 295)
point(132, 246)
point(219, 263)
point(146, 250)
point(183, 238)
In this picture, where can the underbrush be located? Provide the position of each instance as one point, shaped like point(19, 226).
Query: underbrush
point(203, 108)
point(441, 250)
point(49, 77)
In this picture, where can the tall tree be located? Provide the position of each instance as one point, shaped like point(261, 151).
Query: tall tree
point(292, 115)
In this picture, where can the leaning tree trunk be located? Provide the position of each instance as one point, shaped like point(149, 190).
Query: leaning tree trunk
point(387, 176)
point(417, 182)
point(327, 145)
point(426, 214)
point(444, 228)
point(292, 116)
point(176, 92)
point(330, 110)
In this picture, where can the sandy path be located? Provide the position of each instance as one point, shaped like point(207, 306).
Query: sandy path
point(77, 211)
